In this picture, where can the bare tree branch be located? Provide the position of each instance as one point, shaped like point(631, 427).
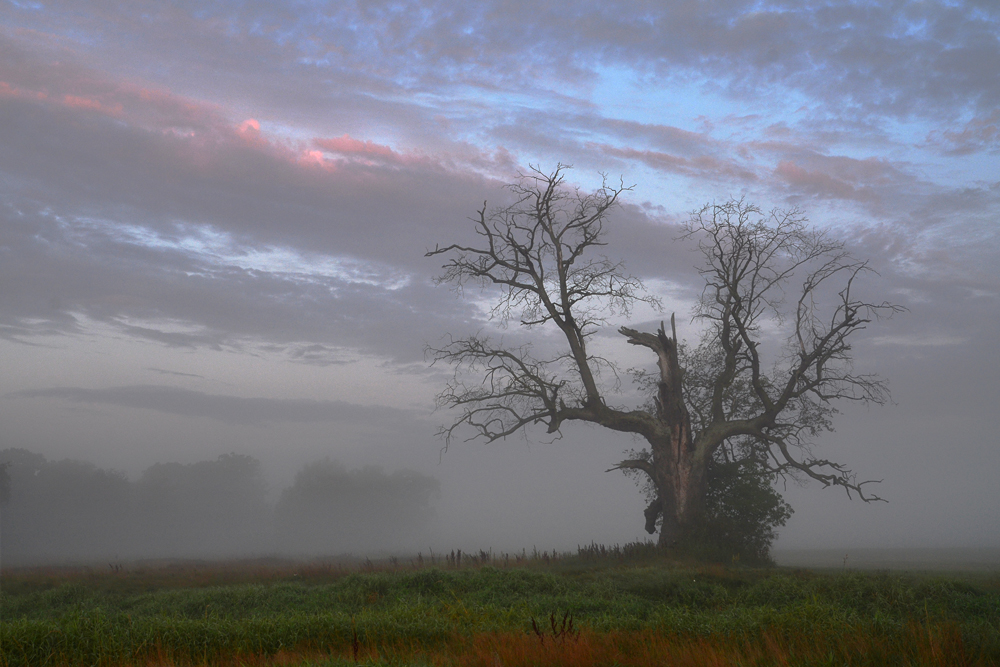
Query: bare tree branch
point(731, 396)
point(750, 260)
point(534, 251)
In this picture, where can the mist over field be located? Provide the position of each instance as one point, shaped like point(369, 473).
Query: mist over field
point(74, 512)
point(215, 302)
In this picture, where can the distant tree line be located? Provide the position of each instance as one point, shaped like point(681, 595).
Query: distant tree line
point(73, 511)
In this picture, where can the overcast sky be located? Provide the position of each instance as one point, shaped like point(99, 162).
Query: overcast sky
point(213, 220)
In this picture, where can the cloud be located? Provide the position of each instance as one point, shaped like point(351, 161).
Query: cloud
point(172, 338)
point(704, 167)
point(276, 180)
point(235, 240)
point(981, 134)
point(928, 59)
point(318, 355)
point(163, 371)
point(918, 340)
point(226, 186)
point(229, 409)
point(60, 276)
point(348, 146)
point(822, 184)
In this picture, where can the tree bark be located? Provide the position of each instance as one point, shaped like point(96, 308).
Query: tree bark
point(680, 482)
point(677, 466)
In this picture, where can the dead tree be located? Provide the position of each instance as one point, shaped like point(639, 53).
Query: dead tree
point(540, 254)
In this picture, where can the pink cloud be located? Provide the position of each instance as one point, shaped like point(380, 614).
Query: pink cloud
point(67, 100)
point(57, 77)
point(704, 166)
point(249, 132)
point(77, 102)
point(145, 107)
point(202, 138)
point(169, 107)
point(315, 158)
point(980, 133)
point(202, 125)
point(869, 181)
point(815, 182)
point(461, 156)
point(7, 90)
point(349, 147)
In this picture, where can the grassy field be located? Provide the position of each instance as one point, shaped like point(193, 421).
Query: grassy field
point(592, 609)
point(981, 559)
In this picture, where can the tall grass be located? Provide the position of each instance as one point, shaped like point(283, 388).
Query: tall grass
point(627, 610)
point(915, 644)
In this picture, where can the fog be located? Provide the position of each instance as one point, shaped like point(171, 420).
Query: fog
point(74, 512)
point(215, 300)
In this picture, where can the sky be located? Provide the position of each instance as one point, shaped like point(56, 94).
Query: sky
point(213, 221)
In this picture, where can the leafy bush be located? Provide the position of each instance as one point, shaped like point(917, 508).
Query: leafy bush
point(742, 511)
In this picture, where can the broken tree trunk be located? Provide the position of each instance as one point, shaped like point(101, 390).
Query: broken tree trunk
point(675, 467)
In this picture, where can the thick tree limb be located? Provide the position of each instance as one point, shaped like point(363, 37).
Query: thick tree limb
point(534, 252)
point(732, 393)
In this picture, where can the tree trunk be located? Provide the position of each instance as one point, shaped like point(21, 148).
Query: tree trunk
point(681, 484)
point(678, 467)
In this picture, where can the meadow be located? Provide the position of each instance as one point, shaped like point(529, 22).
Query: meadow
point(620, 606)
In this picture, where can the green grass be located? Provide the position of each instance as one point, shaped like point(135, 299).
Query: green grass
point(209, 614)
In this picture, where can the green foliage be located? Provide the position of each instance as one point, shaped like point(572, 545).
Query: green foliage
point(742, 507)
point(4, 482)
point(110, 620)
point(742, 510)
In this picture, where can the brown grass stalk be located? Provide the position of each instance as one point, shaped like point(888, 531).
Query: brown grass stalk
point(920, 645)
